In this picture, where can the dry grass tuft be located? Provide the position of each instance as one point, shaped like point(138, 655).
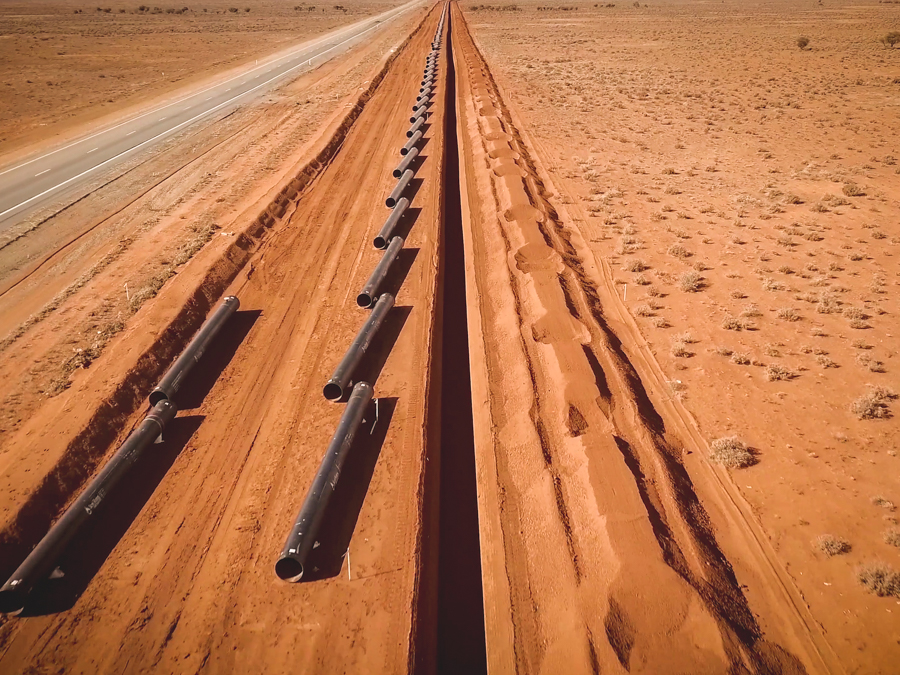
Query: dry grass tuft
point(732, 452)
point(892, 537)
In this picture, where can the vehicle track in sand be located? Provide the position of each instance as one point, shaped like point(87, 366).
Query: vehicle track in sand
point(190, 585)
point(604, 551)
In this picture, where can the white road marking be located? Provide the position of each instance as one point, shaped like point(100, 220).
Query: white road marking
point(41, 173)
point(94, 150)
point(131, 132)
point(177, 126)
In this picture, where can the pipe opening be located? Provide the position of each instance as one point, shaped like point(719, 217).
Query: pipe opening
point(157, 396)
point(365, 300)
point(11, 601)
point(289, 569)
point(333, 391)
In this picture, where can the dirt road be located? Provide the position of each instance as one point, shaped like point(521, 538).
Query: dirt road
point(190, 586)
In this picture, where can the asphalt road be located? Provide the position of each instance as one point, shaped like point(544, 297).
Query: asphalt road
point(34, 182)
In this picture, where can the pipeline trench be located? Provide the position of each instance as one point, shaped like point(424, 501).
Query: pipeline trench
point(432, 454)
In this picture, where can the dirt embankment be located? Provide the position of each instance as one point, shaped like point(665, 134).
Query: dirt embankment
point(184, 579)
point(600, 550)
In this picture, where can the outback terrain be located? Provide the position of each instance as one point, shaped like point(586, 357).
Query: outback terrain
point(637, 393)
point(742, 196)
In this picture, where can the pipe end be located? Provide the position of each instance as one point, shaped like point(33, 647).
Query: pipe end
point(365, 300)
point(380, 243)
point(397, 173)
point(289, 569)
point(157, 396)
point(333, 391)
point(404, 151)
point(390, 202)
point(12, 601)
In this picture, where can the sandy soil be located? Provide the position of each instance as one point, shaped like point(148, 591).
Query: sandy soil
point(739, 196)
point(190, 586)
point(64, 64)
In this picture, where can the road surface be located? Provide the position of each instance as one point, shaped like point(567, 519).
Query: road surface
point(34, 182)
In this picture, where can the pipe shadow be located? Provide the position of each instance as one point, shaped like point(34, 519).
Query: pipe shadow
point(217, 357)
point(382, 344)
point(407, 220)
point(85, 555)
point(399, 271)
point(326, 560)
point(413, 188)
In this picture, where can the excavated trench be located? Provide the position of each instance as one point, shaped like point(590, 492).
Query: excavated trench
point(460, 616)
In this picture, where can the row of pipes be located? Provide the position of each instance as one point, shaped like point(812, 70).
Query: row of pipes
point(304, 535)
point(42, 562)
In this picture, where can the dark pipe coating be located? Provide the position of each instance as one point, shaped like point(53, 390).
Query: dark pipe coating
point(305, 531)
point(335, 387)
point(42, 559)
point(171, 381)
point(369, 294)
point(381, 241)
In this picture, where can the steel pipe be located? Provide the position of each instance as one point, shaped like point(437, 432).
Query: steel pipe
point(169, 384)
point(424, 103)
point(417, 112)
point(424, 93)
point(369, 294)
point(335, 387)
point(415, 127)
point(381, 240)
point(391, 201)
point(406, 162)
point(410, 144)
point(426, 84)
point(42, 559)
point(305, 531)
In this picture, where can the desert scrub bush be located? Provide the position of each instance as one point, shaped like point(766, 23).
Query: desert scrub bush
point(741, 359)
point(891, 39)
point(686, 338)
point(678, 251)
point(635, 265)
point(660, 322)
point(827, 304)
point(769, 284)
point(641, 280)
point(852, 190)
point(643, 310)
point(723, 351)
point(882, 502)
point(654, 292)
point(854, 313)
point(879, 578)
point(732, 323)
point(680, 350)
point(738, 295)
point(858, 324)
point(732, 452)
point(825, 362)
point(892, 537)
point(803, 42)
point(873, 404)
point(690, 282)
point(831, 545)
point(788, 314)
point(750, 311)
point(774, 373)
